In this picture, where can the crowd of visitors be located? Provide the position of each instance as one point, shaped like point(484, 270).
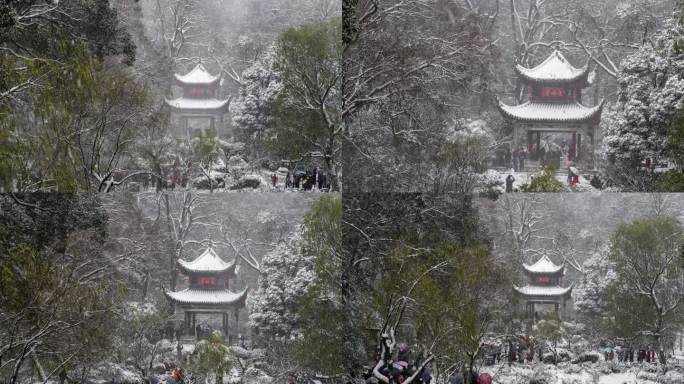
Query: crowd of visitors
point(307, 180)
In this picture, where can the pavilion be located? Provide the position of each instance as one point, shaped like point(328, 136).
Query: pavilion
point(198, 108)
point(544, 287)
point(208, 293)
point(554, 105)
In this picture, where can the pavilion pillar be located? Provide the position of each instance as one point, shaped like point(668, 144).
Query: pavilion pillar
point(530, 134)
point(184, 125)
point(579, 145)
point(593, 148)
point(237, 321)
point(573, 147)
point(538, 141)
point(187, 322)
point(516, 132)
point(225, 324)
point(194, 324)
point(555, 305)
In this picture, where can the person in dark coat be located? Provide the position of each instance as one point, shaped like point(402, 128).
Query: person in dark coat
point(507, 158)
point(321, 181)
point(521, 159)
point(509, 183)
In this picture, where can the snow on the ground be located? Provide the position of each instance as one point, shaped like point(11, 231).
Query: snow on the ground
point(524, 177)
point(586, 373)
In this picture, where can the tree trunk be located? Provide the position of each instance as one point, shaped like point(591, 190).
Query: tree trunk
point(661, 349)
point(146, 283)
point(334, 185)
point(471, 363)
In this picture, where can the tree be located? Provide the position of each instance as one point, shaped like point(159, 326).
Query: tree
point(551, 330)
point(31, 31)
point(252, 110)
point(544, 182)
point(322, 344)
point(404, 85)
point(450, 304)
point(140, 331)
point(49, 54)
point(636, 126)
point(308, 60)
point(75, 129)
point(591, 295)
point(647, 296)
point(60, 291)
point(286, 274)
point(211, 357)
point(207, 153)
point(673, 180)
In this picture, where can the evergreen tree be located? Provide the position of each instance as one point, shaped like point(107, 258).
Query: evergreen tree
point(253, 108)
point(635, 128)
point(286, 274)
point(647, 296)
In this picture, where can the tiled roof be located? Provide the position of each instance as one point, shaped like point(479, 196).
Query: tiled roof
point(551, 112)
point(543, 265)
point(555, 68)
point(197, 75)
point(200, 296)
point(203, 104)
point(208, 261)
point(535, 290)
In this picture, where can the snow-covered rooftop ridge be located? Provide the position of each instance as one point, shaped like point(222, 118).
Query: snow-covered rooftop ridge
point(204, 104)
point(208, 261)
point(535, 290)
point(544, 265)
point(555, 68)
point(201, 296)
point(551, 112)
point(198, 75)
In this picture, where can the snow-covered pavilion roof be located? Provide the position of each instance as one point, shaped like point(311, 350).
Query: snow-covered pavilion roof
point(556, 68)
point(208, 262)
point(198, 75)
point(544, 265)
point(213, 297)
point(183, 103)
point(551, 112)
point(536, 290)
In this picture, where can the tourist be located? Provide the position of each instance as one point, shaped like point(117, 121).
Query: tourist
point(321, 181)
point(509, 183)
point(274, 179)
point(484, 378)
point(177, 377)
